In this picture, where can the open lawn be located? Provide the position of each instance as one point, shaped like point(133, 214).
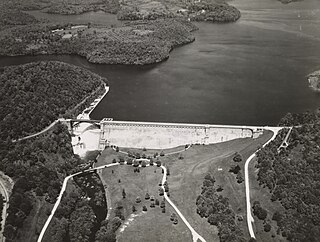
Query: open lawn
point(152, 225)
point(185, 181)
point(187, 176)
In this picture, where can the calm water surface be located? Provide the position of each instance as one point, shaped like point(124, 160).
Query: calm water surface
point(249, 72)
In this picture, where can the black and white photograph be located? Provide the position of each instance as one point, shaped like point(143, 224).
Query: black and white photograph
point(160, 120)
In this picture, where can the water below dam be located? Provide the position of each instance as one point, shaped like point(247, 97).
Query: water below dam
point(250, 72)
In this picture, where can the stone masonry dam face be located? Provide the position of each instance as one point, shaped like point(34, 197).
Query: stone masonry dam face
point(167, 135)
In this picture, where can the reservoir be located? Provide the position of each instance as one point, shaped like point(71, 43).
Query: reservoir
point(249, 72)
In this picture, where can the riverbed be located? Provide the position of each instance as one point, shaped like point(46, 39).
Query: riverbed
point(250, 72)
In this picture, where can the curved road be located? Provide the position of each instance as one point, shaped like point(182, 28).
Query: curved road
point(250, 219)
point(5, 194)
point(195, 235)
point(39, 133)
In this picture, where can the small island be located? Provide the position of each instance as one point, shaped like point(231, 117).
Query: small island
point(314, 80)
point(289, 1)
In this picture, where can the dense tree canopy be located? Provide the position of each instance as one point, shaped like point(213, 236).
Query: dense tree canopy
point(138, 42)
point(293, 177)
point(32, 96)
point(35, 94)
point(218, 212)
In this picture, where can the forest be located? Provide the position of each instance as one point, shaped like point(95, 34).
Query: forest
point(38, 167)
point(35, 94)
point(138, 42)
point(32, 96)
point(293, 178)
point(218, 212)
point(64, 6)
point(213, 12)
point(82, 213)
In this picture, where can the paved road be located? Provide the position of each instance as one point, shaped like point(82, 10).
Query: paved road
point(195, 235)
point(39, 133)
point(4, 210)
point(250, 219)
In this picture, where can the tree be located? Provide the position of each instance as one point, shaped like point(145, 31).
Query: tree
point(123, 193)
point(237, 157)
point(173, 216)
point(267, 227)
point(83, 220)
point(158, 163)
point(134, 209)
point(147, 197)
point(144, 208)
point(135, 163)
point(162, 204)
point(162, 153)
point(235, 169)
point(260, 212)
point(129, 162)
point(161, 191)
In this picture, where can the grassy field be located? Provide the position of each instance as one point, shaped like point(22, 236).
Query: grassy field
point(33, 224)
point(185, 181)
point(152, 225)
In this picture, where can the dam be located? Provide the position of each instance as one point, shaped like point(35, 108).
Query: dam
point(154, 135)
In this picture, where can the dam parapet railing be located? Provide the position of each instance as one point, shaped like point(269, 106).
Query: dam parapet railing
point(167, 135)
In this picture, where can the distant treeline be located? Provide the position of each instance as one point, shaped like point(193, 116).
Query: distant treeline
point(139, 42)
point(213, 12)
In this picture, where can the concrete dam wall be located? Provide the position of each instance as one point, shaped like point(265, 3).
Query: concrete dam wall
point(167, 135)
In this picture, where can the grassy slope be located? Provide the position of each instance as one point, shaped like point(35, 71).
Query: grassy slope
point(146, 226)
point(187, 177)
point(185, 182)
point(35, 221)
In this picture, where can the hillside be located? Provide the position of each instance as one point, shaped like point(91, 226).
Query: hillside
point(292, 177)
point(31, 97)
point(65, 6)
point(29, 90)
point(139, 42)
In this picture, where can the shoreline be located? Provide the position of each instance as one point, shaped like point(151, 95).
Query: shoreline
point(85, 114)
point(84, 138)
